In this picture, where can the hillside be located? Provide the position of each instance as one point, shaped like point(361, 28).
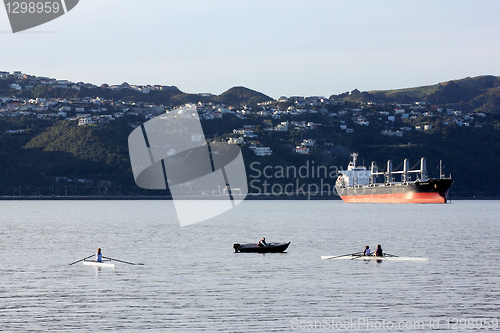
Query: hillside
point(238, 96)
point(30, 162)
point(480, 93)
point(171, 95)
point(55, 146)
point(68, 150)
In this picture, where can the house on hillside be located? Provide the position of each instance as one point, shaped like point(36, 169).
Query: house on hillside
point(236, 141)
point(302, 150)
point(261, 151)
point(283, 127)
point(85, 121)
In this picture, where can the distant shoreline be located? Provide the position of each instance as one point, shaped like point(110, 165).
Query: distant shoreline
point(168, 198)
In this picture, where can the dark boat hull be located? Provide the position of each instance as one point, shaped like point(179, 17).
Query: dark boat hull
point(430, 191)
point(255, 248)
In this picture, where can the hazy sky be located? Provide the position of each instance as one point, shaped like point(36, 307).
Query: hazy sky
point(278, 47)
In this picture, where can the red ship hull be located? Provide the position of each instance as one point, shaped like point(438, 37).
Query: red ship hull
point(396, 198)
point(430, 191)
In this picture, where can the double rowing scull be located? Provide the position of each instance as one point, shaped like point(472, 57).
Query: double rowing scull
point(361, 257)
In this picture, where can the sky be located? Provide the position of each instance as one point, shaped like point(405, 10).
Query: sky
point(277, 47)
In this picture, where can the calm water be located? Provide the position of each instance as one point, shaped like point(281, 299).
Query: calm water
point(192, 281)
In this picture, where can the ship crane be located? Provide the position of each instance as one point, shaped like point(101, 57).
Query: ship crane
point(405, 173)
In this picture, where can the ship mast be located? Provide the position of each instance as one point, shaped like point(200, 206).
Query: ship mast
point(354, 158)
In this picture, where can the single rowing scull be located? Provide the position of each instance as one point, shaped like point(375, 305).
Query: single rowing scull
point(99, 264)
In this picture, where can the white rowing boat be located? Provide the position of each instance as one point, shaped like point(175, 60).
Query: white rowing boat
point(354, 257)
point(99, 264)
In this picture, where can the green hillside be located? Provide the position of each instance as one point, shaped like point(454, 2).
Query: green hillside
point(238, 96)
point(100, 153)
point(68, 150)
point(480, 93)
point(42, 154)
point(168, 96)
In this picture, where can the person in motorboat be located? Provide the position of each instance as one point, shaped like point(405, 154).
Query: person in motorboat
point(379, 252)
point(98, 255)
point(367, 251)
point(262, 242)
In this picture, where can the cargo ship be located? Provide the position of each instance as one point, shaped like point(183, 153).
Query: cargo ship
point(358, 184)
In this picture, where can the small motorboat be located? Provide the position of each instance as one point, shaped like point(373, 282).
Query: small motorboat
point(270, 248)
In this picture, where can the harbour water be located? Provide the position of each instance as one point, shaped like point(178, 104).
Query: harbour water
point(192, 280)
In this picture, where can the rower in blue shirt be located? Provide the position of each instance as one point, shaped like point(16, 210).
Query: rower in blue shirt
point(98, 255)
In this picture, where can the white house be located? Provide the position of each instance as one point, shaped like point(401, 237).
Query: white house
point(261, 151)
point(398, 133)
point(283, 126)
point(302, 150)
point(85, 121)
point(236, 141)
point(308, 143)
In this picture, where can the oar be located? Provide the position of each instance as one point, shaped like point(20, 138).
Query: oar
point(358, 255)
point(125, 262)
point(345, 255)
point(390, 255)
point(81, 259)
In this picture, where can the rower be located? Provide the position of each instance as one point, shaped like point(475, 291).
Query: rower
point(98, 255)
point(379, 252)
point(262, 242)
point(367, 251)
